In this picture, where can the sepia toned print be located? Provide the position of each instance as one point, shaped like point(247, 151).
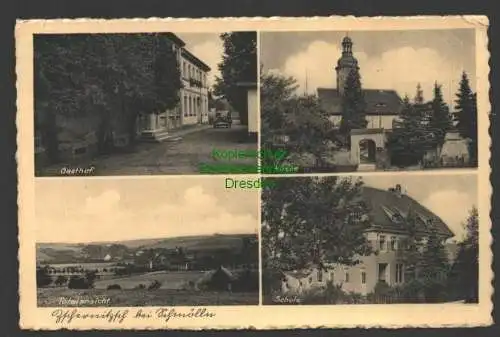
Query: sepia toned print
point(155, 103)
point(361, 240)
point(371, 100)
point(101, 259)
point(292, 219)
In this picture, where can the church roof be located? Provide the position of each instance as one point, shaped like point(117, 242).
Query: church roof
point(378, 102)
point(387, 208)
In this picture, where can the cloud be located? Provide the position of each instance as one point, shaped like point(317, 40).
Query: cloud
point(400, 69)
point(209, 52)
point(452, 207)
point(105, 218)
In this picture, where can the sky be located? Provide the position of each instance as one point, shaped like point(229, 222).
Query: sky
point(387, 59)
point(450, 197)
point(87, 210)
point(207, 47)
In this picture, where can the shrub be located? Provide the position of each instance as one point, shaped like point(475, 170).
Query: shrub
point(43, 278)
point(140, 286)
point(78, 282)
point(154, 285)
point(61, 280)
point(114, 287)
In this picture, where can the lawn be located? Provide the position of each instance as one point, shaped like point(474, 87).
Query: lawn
point(50, 297)
point(168, 280)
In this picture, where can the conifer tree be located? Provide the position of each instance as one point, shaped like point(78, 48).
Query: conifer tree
point(434, 269)
point(410, 138)
point(464, 277)
point(419, 96)
point(353, 106)
point(411, 247)
point(439, 120)
point(466, 115)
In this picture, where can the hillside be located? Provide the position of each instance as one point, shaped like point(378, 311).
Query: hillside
point(64, 252)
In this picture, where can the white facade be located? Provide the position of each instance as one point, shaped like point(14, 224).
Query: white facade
point(253, 111)
point(374, 122)
point(193, 99)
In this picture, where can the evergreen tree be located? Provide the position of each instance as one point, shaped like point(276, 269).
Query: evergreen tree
point(410, 137)
point(434, 268)
point(419, 96)
point(411, 247)
point(439, 120)
point(466, 115)
point(353, 106)
point(464, 277)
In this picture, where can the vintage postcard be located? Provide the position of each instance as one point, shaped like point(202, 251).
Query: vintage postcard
point(262, 173)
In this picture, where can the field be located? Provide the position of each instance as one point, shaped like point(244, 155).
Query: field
point(50, 297)
point(169, 280)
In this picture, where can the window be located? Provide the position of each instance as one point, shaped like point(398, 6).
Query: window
point(332, 276)
point(399, 273)
point(185, 106)
point(393, 243)
point(320, 275)
point(382, 268)
point(347, 277)
point(363, 277)
point(382, 242)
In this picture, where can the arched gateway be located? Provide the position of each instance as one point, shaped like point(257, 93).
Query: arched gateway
point(364, 145)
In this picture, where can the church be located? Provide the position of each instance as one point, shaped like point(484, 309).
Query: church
point(382, 105)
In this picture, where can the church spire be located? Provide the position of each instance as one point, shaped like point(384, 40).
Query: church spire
point(347, 46)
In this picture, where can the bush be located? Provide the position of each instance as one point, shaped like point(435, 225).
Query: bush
point(114, 287)
point(78, 282)
point(140, 286)
point(43, 278)
point(154, 285)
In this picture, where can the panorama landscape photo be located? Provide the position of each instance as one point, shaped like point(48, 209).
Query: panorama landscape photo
point(146, 243)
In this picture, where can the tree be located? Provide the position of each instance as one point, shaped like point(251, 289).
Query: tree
point(439, 120)
point(434, 269)
point(464, 276)
point(239, 64)
point(419, 96)
point(300, 119)
point(43, 278)
point(61, 280)
point(411, 247)
point(353, 106)
point(313, 221)
point(410, 137)
point(465, 115)
point(106, 77)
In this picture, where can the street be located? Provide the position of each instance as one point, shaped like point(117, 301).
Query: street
point(175, 157)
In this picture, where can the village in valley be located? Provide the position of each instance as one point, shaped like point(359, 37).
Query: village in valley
point(347, 127)
point(204, 270)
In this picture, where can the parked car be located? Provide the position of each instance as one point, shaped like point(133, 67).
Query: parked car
point(222, 122)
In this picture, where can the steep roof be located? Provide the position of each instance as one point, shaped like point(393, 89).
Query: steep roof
point(378, 102)
point(188, 55)
point(386, 205)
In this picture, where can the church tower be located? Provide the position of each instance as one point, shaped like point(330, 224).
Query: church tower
point(345, 64)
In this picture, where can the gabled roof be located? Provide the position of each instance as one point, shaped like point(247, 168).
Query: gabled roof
point(188, 55)
point(385, 205)
point(378, 102)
